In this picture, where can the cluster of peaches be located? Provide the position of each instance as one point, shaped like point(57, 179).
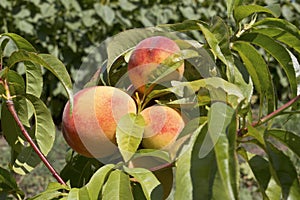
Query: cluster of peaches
point(90, 127)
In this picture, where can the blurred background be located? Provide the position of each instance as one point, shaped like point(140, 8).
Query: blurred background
point(69, 29)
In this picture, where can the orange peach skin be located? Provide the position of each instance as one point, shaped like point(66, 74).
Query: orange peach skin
point(163, 125)
point(147, 56)
point(91, 128)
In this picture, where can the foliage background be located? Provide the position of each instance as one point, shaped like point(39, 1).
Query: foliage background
point(69, 29)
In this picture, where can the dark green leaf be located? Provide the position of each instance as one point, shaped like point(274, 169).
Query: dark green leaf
point(258, 71)
point(129, 134)
point(117, 186)
point(79, 170)
point(285, 172)
point(26, 161)
point(8, 184)
point(278, 52)
point(260, 169)
point(10, 129)
point(244, 11)
point(150, 185)
point(290, 139)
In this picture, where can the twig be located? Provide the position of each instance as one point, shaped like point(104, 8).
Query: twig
point(12, 110)
point(269, 116)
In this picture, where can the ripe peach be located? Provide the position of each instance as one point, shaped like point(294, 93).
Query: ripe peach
point(147, 56)
point(163, 125)
point(91, 126)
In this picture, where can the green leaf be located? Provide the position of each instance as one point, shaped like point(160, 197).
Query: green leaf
point(97, 181)
point(222, 114)
point(50, 62)
point(288, 138)
point(214, 43)
point(53, 190)
point(281, 35)
point(79, 170)
point(16, 83)
point(279, 24)
point(231, 5)
point(26, 161)
point(278, 52)
point(202, 169)
point(220, 31)
point(20, 42)
point(258, 71)
point(218, 88)
point(8, 184)
point(169, 65)
point(10, 129)
point(285, 172)
point(44, 127)
point(260, 169)
point(160, 154)
point(189, 163)
point(150, 184)
point(243, 11)
point(117, 186)
point(34, 79)
point(129, 134)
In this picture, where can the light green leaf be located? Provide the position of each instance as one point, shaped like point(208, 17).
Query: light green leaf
point(97, 181)
point(231, 5)
point(244, 11)
point(49, 62)
point(34, 79)
point(258, 70)
point(117, 186)
point(20, 42)
point(282, 36)
point(44, 127)
point(188, 167)
point(129, 134)
point(219, 118)
point(214, 43)
point(150, 184)
point(278, 52)
point(278, 24)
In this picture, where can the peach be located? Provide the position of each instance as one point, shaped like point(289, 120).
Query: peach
point(149, 54)
point(163, 125)
point(90, 129)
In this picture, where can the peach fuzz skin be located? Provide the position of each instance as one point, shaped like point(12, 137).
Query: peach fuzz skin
point(147, 56)
point(90, 129)
point(163, 125)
